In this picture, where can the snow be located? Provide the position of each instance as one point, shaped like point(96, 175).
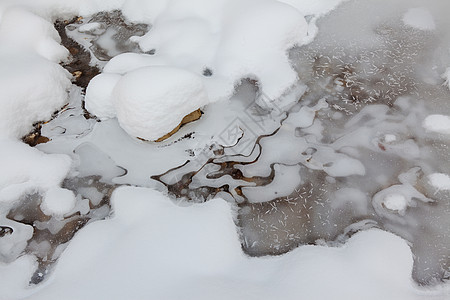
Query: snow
point(32, 89)
point(41, 36)
point(396, 202)
point(90, 27)
point(152, 101)
point(12, 245)
point(440, 181)
point(231, 38)
point(99, 93)
point(196, 249)
point(15, 276)
point(27, 169)
point(58, 201)
point(151, 247)
point(446, 77)
point(419, 18)
point(437, 123)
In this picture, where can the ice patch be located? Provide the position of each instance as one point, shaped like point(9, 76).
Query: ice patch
point(419, 18)
point(437, 123)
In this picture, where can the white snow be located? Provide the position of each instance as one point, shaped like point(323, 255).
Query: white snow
point(15, 277)
point(396, 202)
point(437, 123)
point(23, 30)
point(233, 39)
point(419, 18)
point(446, 77)
point(151, 246)
point(26, 169)
point(89, 27)
point(58, 201)
point(32, 89)
point(99, 93)
point(440, 181)
point(390, 138)
point(152, 101)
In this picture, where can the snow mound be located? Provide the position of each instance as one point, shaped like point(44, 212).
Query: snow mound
point(440, 181)
point(419, 18)
point(437, 123)
point(33, 85)
point(396, 202)
point(99, 94)
point(58, 201)
point(152, 101)
point(194, 253)
point(27, 169)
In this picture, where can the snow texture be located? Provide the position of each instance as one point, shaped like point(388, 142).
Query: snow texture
point(437, 123)
point(440, 181)
point(58, 201)
point(232, 39)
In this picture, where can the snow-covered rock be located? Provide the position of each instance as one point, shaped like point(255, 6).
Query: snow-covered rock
point(152, 101)
point(58, 201)
point(229, 38)
point(151, 245)
point(27, 169)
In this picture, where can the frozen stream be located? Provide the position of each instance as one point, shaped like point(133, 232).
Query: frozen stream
point(351, 154)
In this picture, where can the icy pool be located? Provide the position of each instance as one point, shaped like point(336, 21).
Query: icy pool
point(361, 141)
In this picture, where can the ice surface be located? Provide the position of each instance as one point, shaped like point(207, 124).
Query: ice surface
point(419, 18)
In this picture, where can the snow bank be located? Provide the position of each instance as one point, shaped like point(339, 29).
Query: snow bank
point(153, 249)
point(32, 89)
point(231, 39)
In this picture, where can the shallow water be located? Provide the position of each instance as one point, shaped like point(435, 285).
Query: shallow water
point(313, 172)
